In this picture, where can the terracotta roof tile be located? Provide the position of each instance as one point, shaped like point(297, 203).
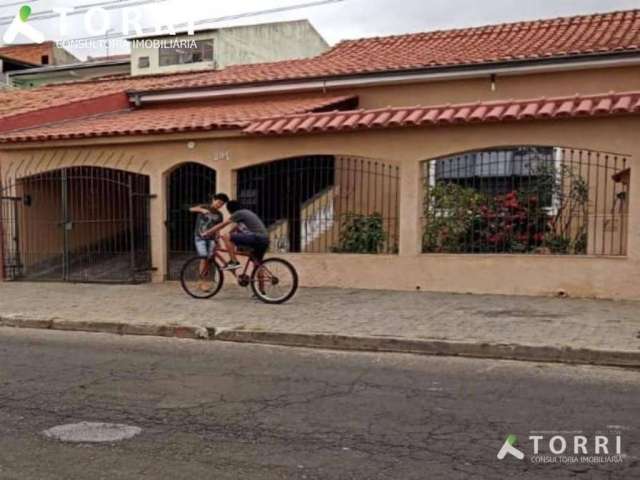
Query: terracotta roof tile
point(560, 37)
point(478, 113)
point(16, 102)
point(575, 106)
point(182, 118)
point(555, 38)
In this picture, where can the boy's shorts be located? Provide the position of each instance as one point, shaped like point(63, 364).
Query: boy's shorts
point(258, 243)
point(204, 247)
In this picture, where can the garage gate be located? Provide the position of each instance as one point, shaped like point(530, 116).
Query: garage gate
point(76, 224)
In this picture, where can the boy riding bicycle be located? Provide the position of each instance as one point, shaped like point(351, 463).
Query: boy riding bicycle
point(247, 230)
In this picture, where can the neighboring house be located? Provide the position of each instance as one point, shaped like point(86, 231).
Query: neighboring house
point(92, 68)
point(9, 66)
point(46, 53)
point(222, 47)
point(500, 159)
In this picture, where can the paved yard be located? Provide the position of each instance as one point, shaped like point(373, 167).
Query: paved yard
point(576, 323)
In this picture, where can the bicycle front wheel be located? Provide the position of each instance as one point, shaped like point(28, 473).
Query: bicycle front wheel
point(274, 281)
point(201, 277)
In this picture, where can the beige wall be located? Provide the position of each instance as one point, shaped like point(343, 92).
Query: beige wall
point(507, 87)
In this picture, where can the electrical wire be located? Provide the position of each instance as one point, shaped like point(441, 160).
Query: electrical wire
point(207, 21)
point(15, 4)
point(106, 5)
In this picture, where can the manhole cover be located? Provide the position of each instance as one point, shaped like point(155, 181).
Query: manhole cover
point(92, 432)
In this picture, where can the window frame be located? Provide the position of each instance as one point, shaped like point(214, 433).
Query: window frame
point(170, 57)
point(148, 62)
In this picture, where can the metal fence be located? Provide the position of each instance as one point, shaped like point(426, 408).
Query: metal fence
point(188, 185)
point(80, 224)
point(325, 204)
point(526, 200)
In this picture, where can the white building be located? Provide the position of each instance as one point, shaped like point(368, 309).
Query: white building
point(223, 47)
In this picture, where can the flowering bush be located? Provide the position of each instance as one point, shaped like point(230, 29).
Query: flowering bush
point(510, 223)
point(545, 214)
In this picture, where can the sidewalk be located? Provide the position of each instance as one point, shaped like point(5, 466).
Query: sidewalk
point(526, 328)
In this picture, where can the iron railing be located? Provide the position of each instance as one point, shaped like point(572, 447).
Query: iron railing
point(527, 200)
point(325, 204)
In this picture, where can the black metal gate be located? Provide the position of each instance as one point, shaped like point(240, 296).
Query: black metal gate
point(9, 235)
point(189, 184)
point(77, 224)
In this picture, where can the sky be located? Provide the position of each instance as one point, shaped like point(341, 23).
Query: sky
point(336, 21)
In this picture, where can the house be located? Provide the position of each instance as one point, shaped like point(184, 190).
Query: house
point(87, 70)
point(499, 159)
point(9, 66)
point(206, 50)
point(46, 53)
point(15, 59)
point(223, 47)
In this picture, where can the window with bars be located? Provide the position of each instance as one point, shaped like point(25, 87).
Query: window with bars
point(526, 199)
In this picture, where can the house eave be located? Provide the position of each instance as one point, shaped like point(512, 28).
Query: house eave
point(431, 74)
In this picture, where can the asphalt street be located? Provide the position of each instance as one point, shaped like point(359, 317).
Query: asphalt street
point(210, 410)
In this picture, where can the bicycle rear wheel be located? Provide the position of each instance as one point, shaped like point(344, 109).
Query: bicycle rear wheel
point(274, 281)
point(201, 277)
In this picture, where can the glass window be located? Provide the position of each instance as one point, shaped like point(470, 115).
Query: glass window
point(196, 52)
point(143, 62)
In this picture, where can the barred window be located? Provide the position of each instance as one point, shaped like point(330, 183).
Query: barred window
point(526, 199)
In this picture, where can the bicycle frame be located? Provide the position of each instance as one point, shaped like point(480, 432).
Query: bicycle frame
point(260, 278)
point(222, 261)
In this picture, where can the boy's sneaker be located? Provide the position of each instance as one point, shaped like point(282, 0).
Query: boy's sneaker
point(232, 266)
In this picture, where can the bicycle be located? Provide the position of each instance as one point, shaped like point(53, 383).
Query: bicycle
point(273, 280)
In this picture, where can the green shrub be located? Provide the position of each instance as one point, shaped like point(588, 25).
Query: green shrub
point(361, 233)
point(449, 213)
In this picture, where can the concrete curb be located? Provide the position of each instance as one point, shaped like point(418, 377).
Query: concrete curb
point(168, 330)
point(532, 353)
